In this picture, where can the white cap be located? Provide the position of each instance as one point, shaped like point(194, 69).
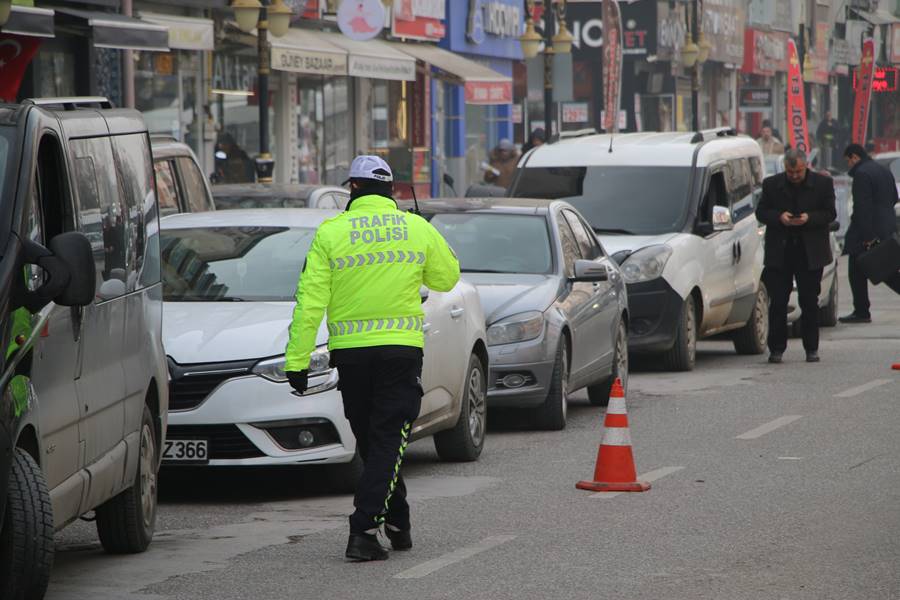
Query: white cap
point(370, 167)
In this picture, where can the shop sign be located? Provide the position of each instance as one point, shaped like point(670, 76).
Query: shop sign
point(233, 72)
point(671, 33)
point(843, 53)
point(185, 33)
point(798, 128)
point(819, 55)
point(488, 92)
point(895, 43)
point(863, 92)
point(297, 60)
point(724, 22)
point(517, 114)
point(765, 52)
point(305, 9)
point(639, 29)
point(419, 20)
point(884, 80)
point(485, 27)
point(756, 99)
point(374, 67)
point(361, 20)
point(575, 112)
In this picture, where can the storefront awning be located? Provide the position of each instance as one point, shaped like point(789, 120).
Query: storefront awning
point(877, 17)
point(30, 21)
point(309, 52)
point(111, 30)
point(375, 59)
point(483, 85)
point(185, 33)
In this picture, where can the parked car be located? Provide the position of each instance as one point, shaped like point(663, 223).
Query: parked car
point(180, 184)
point(230, 279)
point(84, 395)
point(676, 211)
point(555, 302)
point(277, 195)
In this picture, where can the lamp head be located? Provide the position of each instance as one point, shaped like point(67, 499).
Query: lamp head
point(279, 17)
point(689, 54)
point(530, 40)
point(562, 41)
point(704, 48)
point(246, 13)
point(5, 10)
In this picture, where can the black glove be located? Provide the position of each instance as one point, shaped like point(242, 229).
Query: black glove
point(299, 380)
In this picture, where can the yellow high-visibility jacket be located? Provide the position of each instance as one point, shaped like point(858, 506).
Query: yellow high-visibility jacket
point(365, 268)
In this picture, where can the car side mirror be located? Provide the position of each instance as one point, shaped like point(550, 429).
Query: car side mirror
point(834, 226)
point(424, 292)
point(590, 271)
point(69, 272)
point(722, 219)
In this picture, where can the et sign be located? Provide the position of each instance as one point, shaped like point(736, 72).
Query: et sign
point(585, 20)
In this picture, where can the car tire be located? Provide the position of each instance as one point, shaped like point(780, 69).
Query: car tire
point(828, 314)
point(751, 338)
point(598, 395)
point(343, 478)
point(551, 415)
point(464, 442)
point(125, 523)
point(683, 354)
point(26, 540)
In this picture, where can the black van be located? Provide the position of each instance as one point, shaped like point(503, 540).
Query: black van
point(83, 376)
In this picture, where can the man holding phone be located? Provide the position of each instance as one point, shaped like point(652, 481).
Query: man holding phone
point(796, 206)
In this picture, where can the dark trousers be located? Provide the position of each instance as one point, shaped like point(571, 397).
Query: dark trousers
point(382, 393)
point(859, 286)
point(779, 282)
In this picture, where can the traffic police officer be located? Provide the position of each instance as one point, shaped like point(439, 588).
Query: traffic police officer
point(365, 269)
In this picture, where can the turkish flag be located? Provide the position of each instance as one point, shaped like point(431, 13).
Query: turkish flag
point(16, 52)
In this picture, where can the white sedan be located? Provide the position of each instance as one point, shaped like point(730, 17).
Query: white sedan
point(229, 282)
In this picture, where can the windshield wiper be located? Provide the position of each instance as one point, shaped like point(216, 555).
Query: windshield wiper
point(228, 299)
point(605, 230)
point(481, 271)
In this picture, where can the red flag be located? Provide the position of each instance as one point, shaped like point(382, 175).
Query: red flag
point(798, 131)
point(863, 92)
point(612, 64)
point(16, 52)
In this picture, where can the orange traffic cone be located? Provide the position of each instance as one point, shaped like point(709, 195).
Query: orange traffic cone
point(615, 463)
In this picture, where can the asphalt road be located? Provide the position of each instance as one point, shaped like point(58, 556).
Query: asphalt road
point(769, 482)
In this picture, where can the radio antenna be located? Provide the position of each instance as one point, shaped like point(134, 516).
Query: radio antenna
point(611, 136)
point(412, 188)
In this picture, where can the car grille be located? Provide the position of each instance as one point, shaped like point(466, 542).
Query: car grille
point(225, 441)
point(191, 384)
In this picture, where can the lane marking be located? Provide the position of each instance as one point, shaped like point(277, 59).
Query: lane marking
point(862, 388)
point(790, 458)
point(454, 557)
point(650, 476)
point(769, 427)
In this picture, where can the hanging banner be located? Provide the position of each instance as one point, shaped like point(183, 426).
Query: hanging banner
point(863, 92)
point(798, 130)
point(361, 20)
point(612, 64)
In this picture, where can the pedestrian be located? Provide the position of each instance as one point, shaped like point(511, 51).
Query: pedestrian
point(503, 161)
point(775, 133)
point(873, 220)
point(233, 165)
point(827, 134)
point(375, 321)
point(537, 138)
point(769, 143)
point(796, 207)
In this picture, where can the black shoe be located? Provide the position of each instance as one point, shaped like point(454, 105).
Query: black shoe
point(812, 356)
point(775, 357)
point(855, 318)
point(400, 538)
point(365, 547)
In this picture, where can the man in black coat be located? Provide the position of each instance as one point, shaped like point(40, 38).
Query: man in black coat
point(873, 220)
point(796, 207)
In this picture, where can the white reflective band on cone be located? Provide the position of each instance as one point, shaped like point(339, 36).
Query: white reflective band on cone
point(616, 406)
point(616, 436)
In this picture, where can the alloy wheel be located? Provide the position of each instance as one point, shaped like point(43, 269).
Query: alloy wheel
point(476, 398)
point(148, 476)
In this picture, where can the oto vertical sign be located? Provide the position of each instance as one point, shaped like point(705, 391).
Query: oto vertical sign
point(863, 92)
point(798, 130)
point(612, 64)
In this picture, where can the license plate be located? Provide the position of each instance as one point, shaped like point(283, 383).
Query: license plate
point(186, 451)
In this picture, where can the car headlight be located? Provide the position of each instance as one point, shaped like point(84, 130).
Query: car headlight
point(273, 368)
point(517, 328)
point(646, 264)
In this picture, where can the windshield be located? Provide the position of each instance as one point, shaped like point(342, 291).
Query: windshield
point(227, 202)
point(495, 243)
point(893, 164)
point(233, 264)
point(635, 200)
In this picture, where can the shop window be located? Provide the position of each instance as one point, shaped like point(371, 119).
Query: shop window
point(388, 108)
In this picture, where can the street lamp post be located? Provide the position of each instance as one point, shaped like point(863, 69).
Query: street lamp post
point(558, 43)
point(265, 17)
point(693, 55)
